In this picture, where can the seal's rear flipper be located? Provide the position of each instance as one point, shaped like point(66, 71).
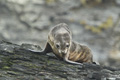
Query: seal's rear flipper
point(46, 50)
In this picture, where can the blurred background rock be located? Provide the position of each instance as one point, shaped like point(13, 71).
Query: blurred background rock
point(95, 23)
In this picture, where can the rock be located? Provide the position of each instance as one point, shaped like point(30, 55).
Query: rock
point(118, 2)
point(25, 21)
point(19, 63)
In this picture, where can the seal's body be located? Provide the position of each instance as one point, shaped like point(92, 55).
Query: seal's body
point(80, 53)
point(60, 43)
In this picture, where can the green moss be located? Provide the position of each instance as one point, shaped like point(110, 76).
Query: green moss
point(6, 67)
point(13, 73)
point(1, 75)
point(30, 65)
point(50, 62)
point(6, 63)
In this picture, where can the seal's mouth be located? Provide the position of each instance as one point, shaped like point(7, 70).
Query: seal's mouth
point(63, 54)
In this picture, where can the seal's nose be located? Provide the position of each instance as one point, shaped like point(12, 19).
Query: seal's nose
point(62, 52)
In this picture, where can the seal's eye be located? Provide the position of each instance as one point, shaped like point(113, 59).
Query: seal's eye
point(67, 45)
point(57, 45)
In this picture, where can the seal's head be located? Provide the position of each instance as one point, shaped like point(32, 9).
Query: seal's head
point(61, 38)
point(62, 42)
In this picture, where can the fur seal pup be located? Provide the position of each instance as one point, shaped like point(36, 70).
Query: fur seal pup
point(60, 43)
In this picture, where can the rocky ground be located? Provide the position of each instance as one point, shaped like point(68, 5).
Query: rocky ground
point(95, 24)
point(18, 63)
point(26, 21)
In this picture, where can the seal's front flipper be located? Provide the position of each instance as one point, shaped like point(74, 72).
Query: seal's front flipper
point(72, 62)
